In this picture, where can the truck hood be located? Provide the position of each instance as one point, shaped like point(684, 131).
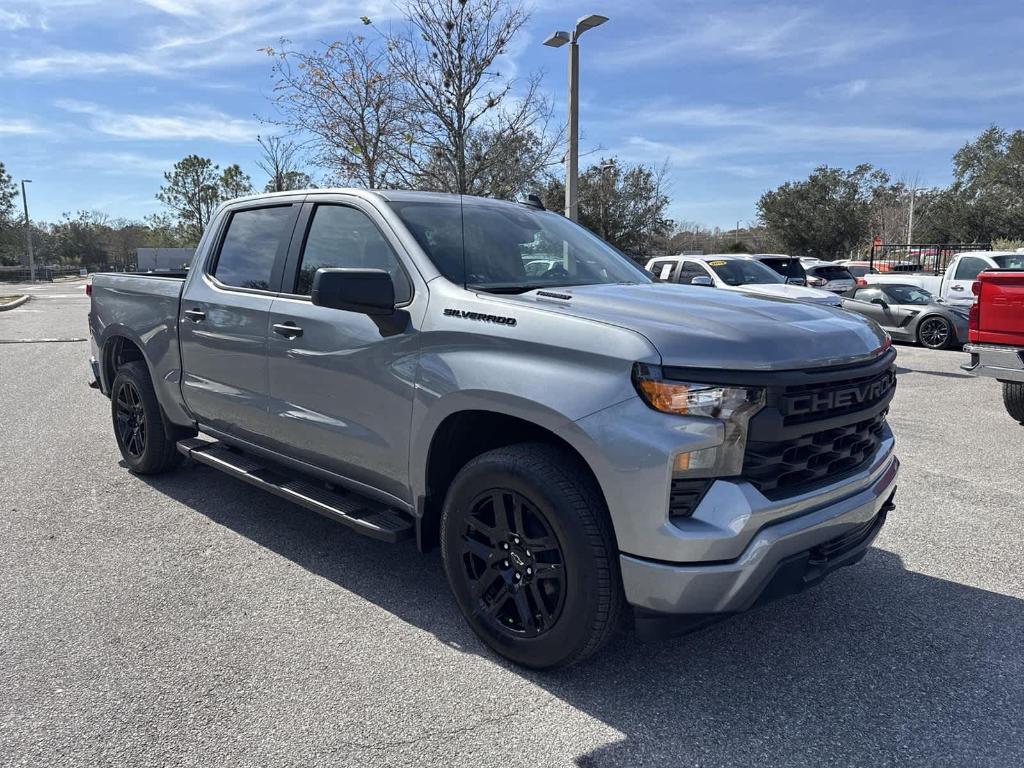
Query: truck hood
point(788, 291)
point(700, 327)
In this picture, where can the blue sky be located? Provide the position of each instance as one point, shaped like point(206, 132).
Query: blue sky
point(99, 97)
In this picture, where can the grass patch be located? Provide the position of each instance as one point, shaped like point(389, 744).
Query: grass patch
point(9, 299)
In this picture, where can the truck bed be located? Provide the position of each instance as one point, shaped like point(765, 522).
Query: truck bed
point(1000, 308)
point(143, 308)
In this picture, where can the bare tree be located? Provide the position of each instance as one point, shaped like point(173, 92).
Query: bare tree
point(277, 162)
point(347, 101)
point(463, 132)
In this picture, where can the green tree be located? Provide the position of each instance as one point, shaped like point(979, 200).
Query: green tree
point(191, 192)
point(233, 183)
point(11, 234)
point(826, 215)
point(8, 194)
point(624, 205)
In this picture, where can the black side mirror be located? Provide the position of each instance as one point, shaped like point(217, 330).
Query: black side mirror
point(879, 302)
point(368, 291)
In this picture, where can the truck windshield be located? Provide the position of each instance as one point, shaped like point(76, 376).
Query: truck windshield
point(1016, 261)
point(744, 272)
point(504, 248)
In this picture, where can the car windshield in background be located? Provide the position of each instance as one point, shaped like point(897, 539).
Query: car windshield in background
point(908, 294)
point(744, 272)
point(512, 249)
point(830, 273)
point(1016, 261)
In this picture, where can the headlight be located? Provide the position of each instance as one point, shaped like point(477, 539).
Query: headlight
point(730, 405)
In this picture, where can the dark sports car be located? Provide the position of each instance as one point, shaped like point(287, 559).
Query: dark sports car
point(910, 313)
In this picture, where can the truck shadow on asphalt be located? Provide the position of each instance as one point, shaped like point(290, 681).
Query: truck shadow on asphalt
point(877, 666)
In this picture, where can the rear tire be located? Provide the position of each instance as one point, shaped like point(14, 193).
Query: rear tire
point(935, 332)
point(138, 422)
point(530, 555)
point(1013, 399)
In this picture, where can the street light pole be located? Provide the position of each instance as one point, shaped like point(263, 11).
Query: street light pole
point(572, 156)
point(28, 233)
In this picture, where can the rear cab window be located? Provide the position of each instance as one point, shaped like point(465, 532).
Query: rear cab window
point(253, 242)
point(969, 267)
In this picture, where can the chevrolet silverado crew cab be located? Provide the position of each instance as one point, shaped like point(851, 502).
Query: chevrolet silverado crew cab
point(578, 439)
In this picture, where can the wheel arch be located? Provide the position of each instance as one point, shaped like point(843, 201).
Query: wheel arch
point(463, 434)
point(931, 316)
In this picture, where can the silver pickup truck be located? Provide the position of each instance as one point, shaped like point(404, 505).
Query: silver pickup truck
point(490, 377)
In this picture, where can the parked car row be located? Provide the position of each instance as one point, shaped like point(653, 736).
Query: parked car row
point(898, 303)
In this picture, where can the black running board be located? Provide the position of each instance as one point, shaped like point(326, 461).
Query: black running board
point(367, 517)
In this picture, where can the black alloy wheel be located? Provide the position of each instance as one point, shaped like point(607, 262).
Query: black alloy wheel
point(530, 555)
point(514, 563)
point(935, 332)
point(131, 418)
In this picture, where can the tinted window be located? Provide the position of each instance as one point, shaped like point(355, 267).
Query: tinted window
point(785, 267)
point(744, 272)
point(969, 267)
point(830, 273)
point(1010, 262)
point(859, 271)
point(340, 236)
point(509, 248)
point(250, 246)
point(867, 294)
point(690, 270)
point(907, 294)
point(662, 270)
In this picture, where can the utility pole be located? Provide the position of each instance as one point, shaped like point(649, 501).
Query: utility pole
point(28, 233)
point(572, 156)
point(910, 217)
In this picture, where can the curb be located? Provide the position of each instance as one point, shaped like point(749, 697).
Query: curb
point(14, 304)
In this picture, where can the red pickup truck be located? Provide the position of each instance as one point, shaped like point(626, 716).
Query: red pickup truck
point(996, 334)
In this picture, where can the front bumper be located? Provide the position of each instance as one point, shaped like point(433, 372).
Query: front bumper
point(1002, 363)
point(781, 558)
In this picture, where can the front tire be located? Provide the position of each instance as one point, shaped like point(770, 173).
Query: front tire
point(1013, 399)
point(138, 425)
point(530, 555)
point(935, 332)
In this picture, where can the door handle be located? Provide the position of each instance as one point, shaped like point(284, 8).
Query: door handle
point(289, 329)
point(956, 287)
point(195, 315)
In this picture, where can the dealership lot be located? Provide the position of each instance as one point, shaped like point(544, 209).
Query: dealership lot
point(192, 620)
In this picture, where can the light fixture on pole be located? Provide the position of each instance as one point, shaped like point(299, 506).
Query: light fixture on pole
point(557, 40)
point(28, 233)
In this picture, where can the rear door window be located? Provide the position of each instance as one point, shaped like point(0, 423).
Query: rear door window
point(254, 239)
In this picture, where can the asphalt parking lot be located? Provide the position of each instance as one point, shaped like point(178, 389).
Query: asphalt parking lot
point(192, 620)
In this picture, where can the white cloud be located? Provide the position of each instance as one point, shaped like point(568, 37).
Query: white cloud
point(169, 36)
point(794, 36)
point(847, 90)
point(14, 127)
point(122, 163)
point(212, 125)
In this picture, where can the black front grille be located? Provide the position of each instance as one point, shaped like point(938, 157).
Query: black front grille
point(685, 495)
point(785, 467)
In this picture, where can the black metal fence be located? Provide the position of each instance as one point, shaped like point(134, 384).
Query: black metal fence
point(918, 257)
